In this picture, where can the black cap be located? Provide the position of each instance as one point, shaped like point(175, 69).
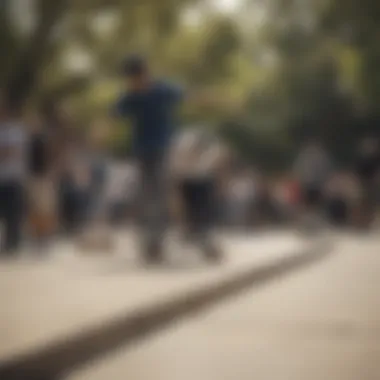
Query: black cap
point(134, 65)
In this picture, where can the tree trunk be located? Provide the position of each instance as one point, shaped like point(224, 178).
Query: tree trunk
point(30, 61)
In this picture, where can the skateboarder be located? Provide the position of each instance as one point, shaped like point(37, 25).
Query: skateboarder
point(151, 106)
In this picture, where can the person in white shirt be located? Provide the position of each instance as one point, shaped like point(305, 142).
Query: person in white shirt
point(241, 199)
point(313, 169)
point(13, 171)
point(196, 163)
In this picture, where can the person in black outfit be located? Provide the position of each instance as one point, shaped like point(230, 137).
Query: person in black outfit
point(42, 192)
point(368, 170)
point(196, 164)
point(75, 188)
point(338, 201)
point(13, 141)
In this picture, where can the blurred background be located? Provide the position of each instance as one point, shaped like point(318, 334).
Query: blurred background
point(293, 71)
point(299, 127)
point(293, 68)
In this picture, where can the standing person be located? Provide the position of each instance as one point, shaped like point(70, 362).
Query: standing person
point(338, 200)
point(96, 233)
point(197, 160)
point(42, 199)
point(99, 174)
point(367, 171)
point(77, 187)
point(292, 197)
point(151, 105)
point(51, 140)
point(265, 202)
point(13, 140)
point(313, 169)
point(121, 193)
point(242, 199)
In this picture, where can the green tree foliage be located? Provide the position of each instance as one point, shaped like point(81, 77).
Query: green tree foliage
point(326, 79)
point(357, 24)
point(221, 43)
point(310, 68)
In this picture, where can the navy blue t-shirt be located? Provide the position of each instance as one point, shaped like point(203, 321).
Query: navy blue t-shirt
point(152, 114)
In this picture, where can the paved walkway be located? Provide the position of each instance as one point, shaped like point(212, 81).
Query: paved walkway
point(46, 300)
point(320, 323)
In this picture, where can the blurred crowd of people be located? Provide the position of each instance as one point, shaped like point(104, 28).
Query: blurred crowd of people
point(58, 180)
point(314, 191)
point(51, 176)
point(348, 197)
point(54, 181)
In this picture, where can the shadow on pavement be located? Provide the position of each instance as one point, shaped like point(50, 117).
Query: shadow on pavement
point(60, 358)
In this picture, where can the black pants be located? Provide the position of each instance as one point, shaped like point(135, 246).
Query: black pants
point(369, 201)
point(199, 205)
point(369, 194)
point(312, 196)
point(11, 214)
point(74, 210)
point(338, 212)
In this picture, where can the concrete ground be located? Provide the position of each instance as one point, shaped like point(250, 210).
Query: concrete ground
point(48, 299)
point(319, 323)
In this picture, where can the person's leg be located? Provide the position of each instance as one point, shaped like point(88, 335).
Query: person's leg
point(68, 213)
point(13, 218)
point(3, 207)
point(372, 202)
point(36, 201)
point(204, 202)
point(366, 206)
point(66, 208)
point(42, 218)
point(190, 210)
point(153, 205)
point(307, 215)
point(76, 210)
point(343, 212)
